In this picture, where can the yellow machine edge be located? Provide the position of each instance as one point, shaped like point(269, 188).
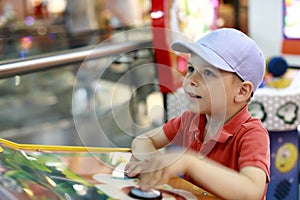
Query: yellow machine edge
point(39, 147)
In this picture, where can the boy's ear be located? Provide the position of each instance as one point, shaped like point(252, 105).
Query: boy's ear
point(245, 92)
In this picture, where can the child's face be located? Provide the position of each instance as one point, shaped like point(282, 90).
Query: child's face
point(209, 90)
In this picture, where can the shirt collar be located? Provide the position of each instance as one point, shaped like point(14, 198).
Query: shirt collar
point(229, 128)
point(198, 123)
point(233, 125)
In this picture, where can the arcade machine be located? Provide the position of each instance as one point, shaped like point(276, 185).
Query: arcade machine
point(30, 172)
point(291, 27)
point(276, 103)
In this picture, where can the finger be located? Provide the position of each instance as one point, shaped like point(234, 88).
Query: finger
point(128, 166)
point(159, 178)
point(133, 163)
point(150, 179)
point(131, 166)
point(155, 179)
point(143, 181)
point(134, 170)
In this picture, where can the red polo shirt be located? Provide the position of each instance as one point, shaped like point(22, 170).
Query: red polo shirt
point(242, 141)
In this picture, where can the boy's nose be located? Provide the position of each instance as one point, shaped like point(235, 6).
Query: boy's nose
point(194, 79)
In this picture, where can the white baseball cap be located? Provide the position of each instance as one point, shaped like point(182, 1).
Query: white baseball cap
point(230, 50)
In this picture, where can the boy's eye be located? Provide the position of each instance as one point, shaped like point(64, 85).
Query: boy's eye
point(191, 69)
point(207, 72)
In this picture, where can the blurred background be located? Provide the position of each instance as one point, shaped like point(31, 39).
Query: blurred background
point(51, 94)
point(32, 27)
point(100, 72)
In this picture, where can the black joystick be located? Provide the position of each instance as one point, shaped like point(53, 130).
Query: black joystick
point(141, 194)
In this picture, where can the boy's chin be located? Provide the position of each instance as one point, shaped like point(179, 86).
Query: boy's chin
point(195, 109)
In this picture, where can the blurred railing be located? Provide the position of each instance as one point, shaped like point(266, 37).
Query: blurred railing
point(18, 67)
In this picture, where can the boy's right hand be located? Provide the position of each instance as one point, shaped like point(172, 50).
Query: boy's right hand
point(134, 167)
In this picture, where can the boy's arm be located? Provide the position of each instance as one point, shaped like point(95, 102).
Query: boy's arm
point(224, 182)
point(146, 145)
point(143, 147)
point(217, 179)
point(249, 183)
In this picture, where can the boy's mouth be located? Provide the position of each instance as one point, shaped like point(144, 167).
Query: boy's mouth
point(194, 96)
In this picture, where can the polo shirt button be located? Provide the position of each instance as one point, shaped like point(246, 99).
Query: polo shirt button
point(204, 152)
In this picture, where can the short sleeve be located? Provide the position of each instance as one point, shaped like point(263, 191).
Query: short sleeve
point(254, 150)
point(171, 128)
point(177, 130)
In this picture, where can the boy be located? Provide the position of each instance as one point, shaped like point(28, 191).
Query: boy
point(226, 150)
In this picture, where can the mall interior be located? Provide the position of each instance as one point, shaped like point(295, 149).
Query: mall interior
point(98, 73)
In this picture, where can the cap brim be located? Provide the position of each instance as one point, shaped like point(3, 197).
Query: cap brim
point(202, 51)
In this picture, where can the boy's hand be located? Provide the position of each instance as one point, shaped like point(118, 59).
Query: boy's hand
point(134, 167)
point(159, 169)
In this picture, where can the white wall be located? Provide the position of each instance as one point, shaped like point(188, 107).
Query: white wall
point(265, 27)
